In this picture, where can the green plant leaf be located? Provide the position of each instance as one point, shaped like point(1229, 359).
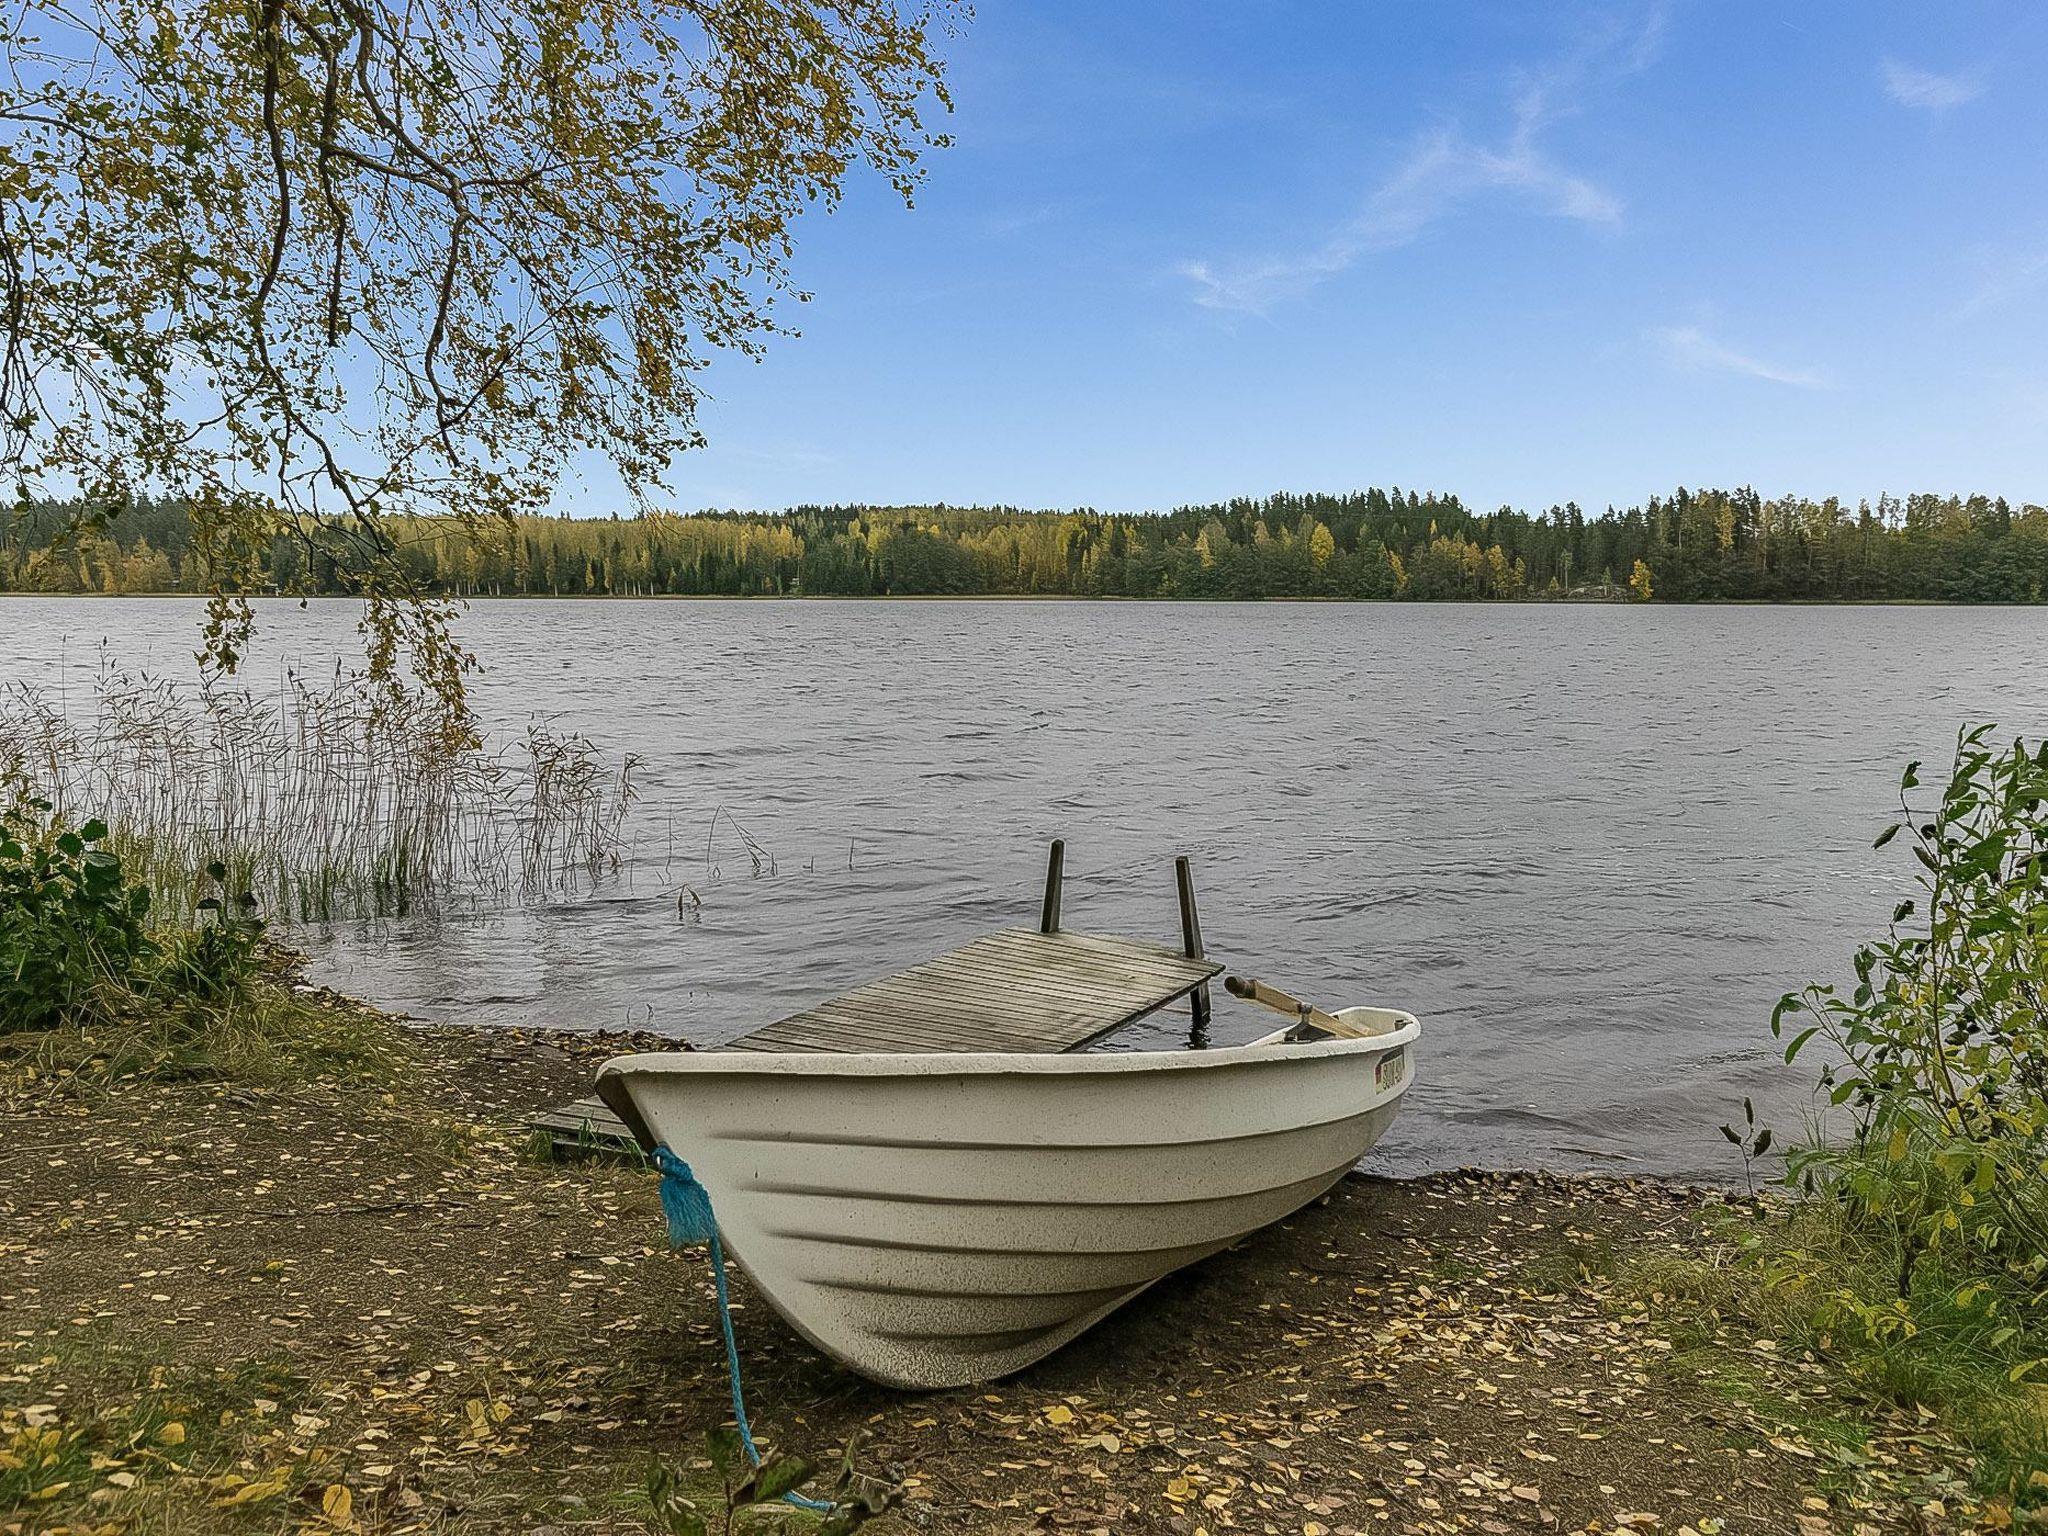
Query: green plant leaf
point(728, 1453)
point(776, 1475)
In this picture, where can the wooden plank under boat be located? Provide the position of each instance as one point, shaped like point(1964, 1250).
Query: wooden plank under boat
point(933, 1212)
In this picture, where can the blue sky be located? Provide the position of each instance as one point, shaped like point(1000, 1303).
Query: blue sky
point(1521, 252)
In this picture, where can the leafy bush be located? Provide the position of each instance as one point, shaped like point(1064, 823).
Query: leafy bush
point(1916, 1249)
point(70, 923)
point(1942, 1048)
point(75, 942)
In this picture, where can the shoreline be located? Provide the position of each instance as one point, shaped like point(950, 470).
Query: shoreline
point(1068, 597)
point(469, 1337)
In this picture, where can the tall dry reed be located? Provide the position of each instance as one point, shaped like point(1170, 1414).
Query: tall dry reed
point(322, 802)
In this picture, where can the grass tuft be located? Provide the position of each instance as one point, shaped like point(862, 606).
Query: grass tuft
point(268, 1034)
point(1806, 1276)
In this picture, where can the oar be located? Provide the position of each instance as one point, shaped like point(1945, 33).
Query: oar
point(1272, 997)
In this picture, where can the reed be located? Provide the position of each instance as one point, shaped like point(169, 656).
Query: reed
point(322, 802)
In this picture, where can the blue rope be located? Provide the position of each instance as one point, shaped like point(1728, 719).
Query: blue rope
point(687, 1204)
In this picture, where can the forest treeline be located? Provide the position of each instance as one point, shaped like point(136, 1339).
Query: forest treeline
point(1692, 546)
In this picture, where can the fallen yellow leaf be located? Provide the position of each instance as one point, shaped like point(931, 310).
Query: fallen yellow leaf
point(252, 1493)
point(337, 1503)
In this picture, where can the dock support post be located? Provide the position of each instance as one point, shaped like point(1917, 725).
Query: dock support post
point(1055, 867)
point(1191, 945)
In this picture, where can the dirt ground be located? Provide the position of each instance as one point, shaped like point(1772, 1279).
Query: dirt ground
point(221, 1305)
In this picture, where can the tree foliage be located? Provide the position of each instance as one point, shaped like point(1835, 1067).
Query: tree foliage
point(1368, 544)
point(302, 266)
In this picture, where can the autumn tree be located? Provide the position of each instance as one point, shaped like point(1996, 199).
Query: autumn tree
point(304, 266)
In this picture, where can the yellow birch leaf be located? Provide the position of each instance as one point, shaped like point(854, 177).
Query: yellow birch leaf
point(337, 1503)
point(251, 1493)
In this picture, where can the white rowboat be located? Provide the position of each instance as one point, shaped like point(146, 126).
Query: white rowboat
point(935, 1219)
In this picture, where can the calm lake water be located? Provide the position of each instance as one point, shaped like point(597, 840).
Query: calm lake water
point(1589, 846)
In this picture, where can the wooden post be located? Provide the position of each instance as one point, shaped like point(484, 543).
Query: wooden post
point(1191, 944)
point(1055, 865)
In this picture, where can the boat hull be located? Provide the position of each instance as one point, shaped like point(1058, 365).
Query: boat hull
point(934, 1220)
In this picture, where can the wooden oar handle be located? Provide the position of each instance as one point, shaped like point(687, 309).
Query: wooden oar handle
point(1280, 1002)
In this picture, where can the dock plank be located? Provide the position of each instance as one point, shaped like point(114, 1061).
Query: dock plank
point(585, 1126)
point(1016, 990)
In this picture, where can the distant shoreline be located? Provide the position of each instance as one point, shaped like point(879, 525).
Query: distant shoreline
point(1701, 545)
point(1072, 597)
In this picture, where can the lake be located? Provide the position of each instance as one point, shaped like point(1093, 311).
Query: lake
point(1588, 845)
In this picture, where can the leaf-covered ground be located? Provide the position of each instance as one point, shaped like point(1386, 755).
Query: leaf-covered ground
point(332, 1307)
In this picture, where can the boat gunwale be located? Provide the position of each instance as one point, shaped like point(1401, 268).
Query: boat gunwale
point(837, 1064)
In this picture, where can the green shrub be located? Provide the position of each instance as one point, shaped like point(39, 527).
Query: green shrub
point(1915, 1249)
point(75, 943)
point(1941, 1050)
point(71, 925)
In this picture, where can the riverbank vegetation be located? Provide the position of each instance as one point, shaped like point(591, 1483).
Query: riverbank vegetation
point(320, 801)
point(1703, 545)
point(1914, 1246)
point(101, 986)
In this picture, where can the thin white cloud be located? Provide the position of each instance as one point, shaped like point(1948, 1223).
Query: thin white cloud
point(1442, 172)
point(1003, 223)
point(1689, 347)
point(1445, 171)
point(2005, 277)
point(1911, 86)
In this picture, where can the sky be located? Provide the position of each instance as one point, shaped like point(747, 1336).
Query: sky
point(1524, 253)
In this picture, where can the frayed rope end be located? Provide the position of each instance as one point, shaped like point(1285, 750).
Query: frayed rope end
point(684, 1201)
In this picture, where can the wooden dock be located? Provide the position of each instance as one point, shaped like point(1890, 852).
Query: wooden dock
point(1037, 991)
point(584, 1127)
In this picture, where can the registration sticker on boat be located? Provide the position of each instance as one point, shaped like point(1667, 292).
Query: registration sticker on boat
point(1391, 1069)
